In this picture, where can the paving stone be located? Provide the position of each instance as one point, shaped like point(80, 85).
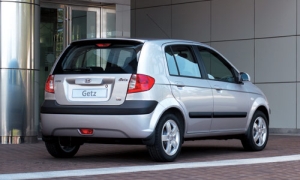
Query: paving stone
point(35, 158)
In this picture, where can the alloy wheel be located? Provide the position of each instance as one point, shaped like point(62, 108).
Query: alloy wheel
point(170, 137)
point(259, 131)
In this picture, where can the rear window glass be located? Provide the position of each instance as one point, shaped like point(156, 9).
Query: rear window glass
point(99, 59)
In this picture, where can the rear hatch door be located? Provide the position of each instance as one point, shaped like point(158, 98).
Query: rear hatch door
point(95, 72)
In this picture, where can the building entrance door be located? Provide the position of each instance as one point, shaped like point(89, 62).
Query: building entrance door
point(84, 23)
point(59, 26)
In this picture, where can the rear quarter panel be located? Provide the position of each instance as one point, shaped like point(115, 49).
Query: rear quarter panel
point(152, 62)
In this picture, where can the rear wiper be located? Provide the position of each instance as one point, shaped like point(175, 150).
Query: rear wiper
point(79, 69)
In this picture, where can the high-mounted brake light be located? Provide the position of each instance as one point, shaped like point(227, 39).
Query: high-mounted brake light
point(140, 83)
point(103, 44)
point(49, 87)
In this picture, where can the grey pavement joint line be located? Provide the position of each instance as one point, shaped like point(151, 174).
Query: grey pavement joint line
point(132, 169)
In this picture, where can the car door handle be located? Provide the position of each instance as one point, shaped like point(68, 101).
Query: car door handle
point(218, 88)
point(179, 84)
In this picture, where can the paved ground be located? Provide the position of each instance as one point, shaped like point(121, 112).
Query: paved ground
point(26, 158)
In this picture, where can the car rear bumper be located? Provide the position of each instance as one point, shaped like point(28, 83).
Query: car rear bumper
point(104, 126)
point(133, 107)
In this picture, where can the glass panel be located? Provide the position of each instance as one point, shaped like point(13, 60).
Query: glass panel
point(83, 25)
point(215, 67)
point(108, 23)
point(51, 42)
point(186, 64)
point(92, 59)
point(171, 62)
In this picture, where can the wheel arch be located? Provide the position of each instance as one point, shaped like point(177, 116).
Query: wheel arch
point(168, 148)
point(256, 140)
point(264, 110)
point(178, 113)
point(173, 110)
point(259, 104)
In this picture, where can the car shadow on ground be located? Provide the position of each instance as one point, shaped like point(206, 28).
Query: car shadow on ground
point(203, 152)
point(125, 154)
point(122, 154)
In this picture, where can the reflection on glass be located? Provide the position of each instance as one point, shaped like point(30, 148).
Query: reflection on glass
point(108, 22)
point(83, 25)
point(51, 42)
point(110, 25)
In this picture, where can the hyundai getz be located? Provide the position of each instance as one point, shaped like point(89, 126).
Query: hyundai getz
point(159, 93)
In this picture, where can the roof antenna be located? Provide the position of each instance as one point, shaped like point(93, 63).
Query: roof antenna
point(158, 26)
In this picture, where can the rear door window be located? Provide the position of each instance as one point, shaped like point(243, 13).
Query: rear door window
point(181, 61)
point(99, 58)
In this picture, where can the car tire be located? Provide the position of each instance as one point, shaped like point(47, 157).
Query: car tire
point(168, 139)
point(59, 151)
point(256, 137)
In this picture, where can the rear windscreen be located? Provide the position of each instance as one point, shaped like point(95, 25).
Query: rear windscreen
point(99, 59)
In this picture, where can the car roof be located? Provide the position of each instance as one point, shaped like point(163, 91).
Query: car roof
point(142, 40)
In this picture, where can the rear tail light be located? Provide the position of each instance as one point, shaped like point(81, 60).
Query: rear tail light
point(140, 83)
point(49, 87)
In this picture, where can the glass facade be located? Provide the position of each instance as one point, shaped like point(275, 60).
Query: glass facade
point(84, 25)
point(51, 42)
point(62, 24)
point(33, 34)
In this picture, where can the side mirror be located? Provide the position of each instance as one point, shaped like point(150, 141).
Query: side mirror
point(244, 77)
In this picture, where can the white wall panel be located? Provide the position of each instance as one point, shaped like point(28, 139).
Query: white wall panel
point(239, 53)
point(232, 19)
point(153, 22)
point(298, 17)
point(132, 4)
point(298, 58)
point(282, 102)
point(271, 60)
point(298, 106)
point(132, 23)
point(151, 3)
point(191, 21)
point(207, 43)
point(275, 18)
point(275, 59)
point(184, 1)
point(123, 21)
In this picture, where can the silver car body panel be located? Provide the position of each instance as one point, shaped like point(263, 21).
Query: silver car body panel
point(229, 97)
point(184, 94)
point(130, 126)
point(194, 95)
point(105, 126)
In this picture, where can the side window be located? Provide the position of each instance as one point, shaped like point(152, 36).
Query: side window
point(216, 67)
point(173, 70)
point(181, 61)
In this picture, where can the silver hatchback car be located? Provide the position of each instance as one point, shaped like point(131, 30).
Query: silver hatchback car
point(159, 93)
